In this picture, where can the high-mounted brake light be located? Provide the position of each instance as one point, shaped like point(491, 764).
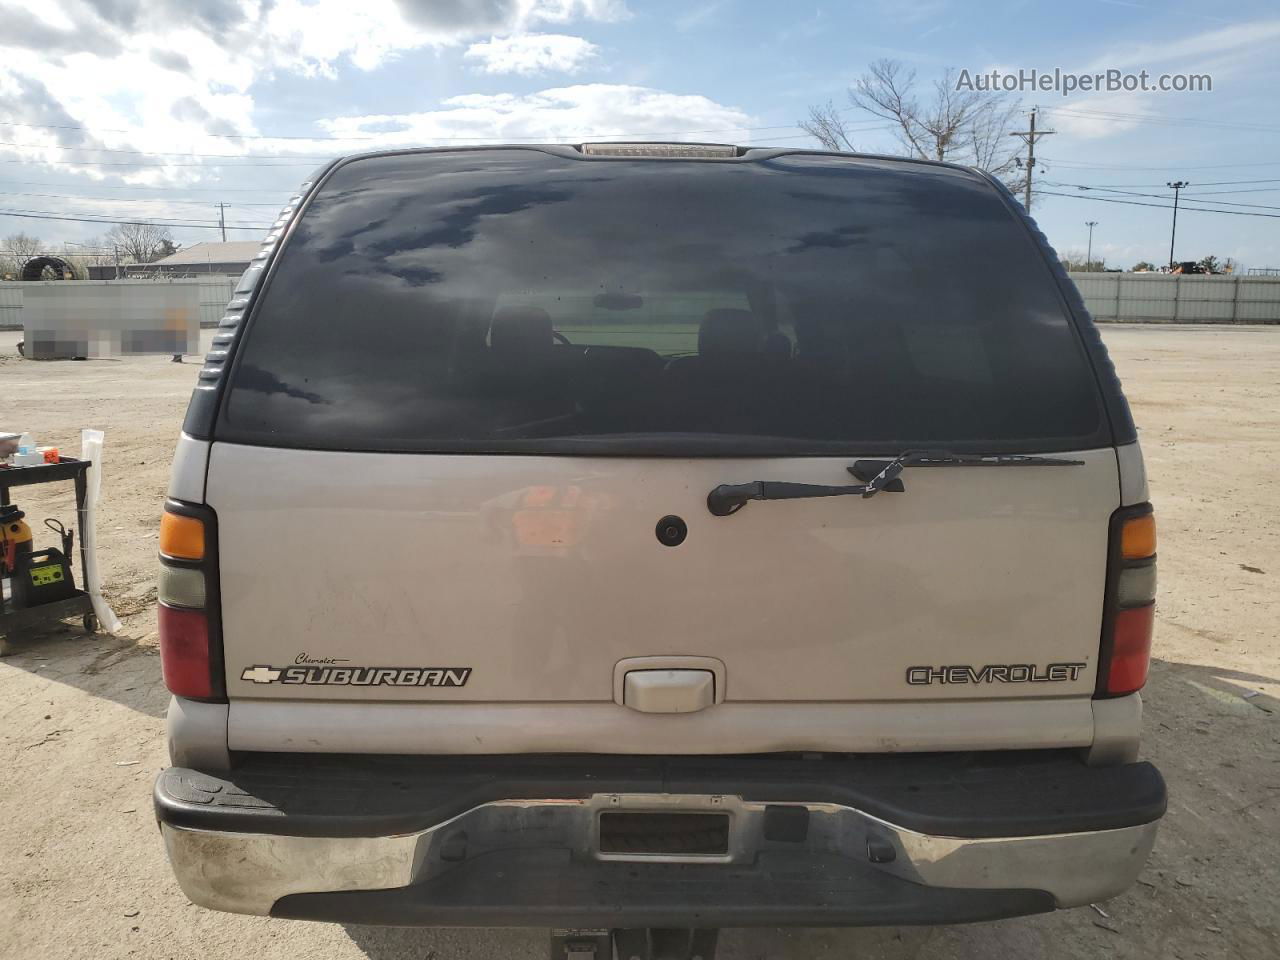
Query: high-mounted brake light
point(188, 615)
point(1129, 614)
point(687, 151)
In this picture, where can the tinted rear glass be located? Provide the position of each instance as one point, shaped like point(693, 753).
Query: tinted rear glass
point(519, 301)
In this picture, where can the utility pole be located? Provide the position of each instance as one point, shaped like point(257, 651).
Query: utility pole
point(1178, 186)
point(1088, 257)
point(1029, 137)
point(222, 221)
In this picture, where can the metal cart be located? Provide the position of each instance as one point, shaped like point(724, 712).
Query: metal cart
point(14, 622)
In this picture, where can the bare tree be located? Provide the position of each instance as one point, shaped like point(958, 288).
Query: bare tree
point(140, 242)
point(94, 252)
point(18, 248)
point(1075, 261)
point(81, 256)
point(961, 126)
point(827, 125)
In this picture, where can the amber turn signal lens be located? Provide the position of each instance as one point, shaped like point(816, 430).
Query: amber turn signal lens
point(181, 537)
point(1138, 539)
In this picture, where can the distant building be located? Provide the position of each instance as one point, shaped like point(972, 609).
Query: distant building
point(220, 259)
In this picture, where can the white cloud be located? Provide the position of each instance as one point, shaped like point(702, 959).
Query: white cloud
point(698, 15)
point(160, 79)
point(1241, 38)
point(1092, 118)
point(565, 114)
point(532, 53)
point(912, 14)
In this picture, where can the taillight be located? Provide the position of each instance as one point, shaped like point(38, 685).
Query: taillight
point(188, 615)
point(1129, 613)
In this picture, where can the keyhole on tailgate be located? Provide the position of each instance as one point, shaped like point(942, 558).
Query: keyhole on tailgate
point(671, 531)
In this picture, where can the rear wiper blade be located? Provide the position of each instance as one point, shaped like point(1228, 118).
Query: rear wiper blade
point(870, 470)
point(729, 498)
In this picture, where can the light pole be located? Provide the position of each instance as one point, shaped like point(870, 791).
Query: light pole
point(1178, 186)
point(1088, 257)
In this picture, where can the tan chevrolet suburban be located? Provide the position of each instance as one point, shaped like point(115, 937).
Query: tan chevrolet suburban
point(644, 537)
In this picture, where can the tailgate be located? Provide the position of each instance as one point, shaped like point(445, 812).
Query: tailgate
point(371, 576)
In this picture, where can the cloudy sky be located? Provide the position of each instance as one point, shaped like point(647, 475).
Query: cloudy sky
point(161, 109)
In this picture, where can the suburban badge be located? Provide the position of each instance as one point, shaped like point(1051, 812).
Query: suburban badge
point(331, 676)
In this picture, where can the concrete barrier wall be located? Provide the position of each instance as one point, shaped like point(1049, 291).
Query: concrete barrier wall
point(1161, 298)
point(214, 292)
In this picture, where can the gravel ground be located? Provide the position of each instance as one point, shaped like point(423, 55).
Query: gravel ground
point(82, 872)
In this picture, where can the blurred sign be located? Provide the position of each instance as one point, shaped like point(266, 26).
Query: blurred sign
point(87, 318)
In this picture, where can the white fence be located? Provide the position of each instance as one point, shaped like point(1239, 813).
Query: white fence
point(214, 293)
point(1110, 297)
point(1161, 298)
point(10, 305)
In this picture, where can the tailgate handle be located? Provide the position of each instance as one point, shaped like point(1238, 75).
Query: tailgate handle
point(669, 691)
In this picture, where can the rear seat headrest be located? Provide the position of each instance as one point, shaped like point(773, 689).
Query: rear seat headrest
point(520, 328)
point(729, 330)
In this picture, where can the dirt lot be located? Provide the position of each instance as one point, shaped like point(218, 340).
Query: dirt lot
point(82, 872)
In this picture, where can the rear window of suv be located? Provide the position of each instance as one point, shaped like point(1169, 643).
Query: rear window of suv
point(522, 301)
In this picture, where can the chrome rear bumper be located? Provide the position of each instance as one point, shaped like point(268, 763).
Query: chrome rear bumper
point(269, 873)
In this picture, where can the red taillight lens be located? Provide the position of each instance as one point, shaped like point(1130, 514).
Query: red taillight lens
point(1130, 650)
point(184, 652)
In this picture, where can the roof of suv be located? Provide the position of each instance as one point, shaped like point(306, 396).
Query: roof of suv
point(680, 150)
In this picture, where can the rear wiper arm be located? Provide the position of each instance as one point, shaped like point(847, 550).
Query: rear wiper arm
point(729, 498)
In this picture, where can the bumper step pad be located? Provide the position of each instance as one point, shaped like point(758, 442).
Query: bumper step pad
point(1004, 794)
point(549, 888)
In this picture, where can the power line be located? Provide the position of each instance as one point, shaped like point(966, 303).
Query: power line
point(1146, 118)
point(1084, 165)
point(113, 221)
point(86, 196)
point(1214, 193)
point(92, 213)
point(1161, 206)
point(1185, 199)
point(131, 186)
point(1211, 183)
